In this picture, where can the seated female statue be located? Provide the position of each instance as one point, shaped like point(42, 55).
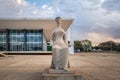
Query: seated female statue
point(60, 50)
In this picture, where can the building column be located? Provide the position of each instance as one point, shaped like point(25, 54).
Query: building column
point(42, 38)
point(25, 40)
point(8, 39)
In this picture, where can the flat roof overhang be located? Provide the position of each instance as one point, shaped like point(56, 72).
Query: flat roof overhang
point(48, 25)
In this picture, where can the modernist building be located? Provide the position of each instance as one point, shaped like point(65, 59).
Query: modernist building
point(27, 34)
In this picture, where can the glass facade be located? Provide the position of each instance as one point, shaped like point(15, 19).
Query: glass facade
point(3, 46)
point(16, 40)
point(21, 40)
point(34, 40)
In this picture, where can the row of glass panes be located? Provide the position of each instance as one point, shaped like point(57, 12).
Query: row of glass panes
point(20, 35)
point(16, 38)
point(21, 39)
point(27, 33)
point(34, 42)
point(2, 33)
point(16, 32)
point(16, 46)
point(30, 47)
point(20, 47)
point(22, 42)
point(3, 47)
point(16, 42)
point(3, 38)
point(34, 38)
point(29, 38)
point(34, 35)
point(34, 46)
point(15, 35)
point(29, 44)
point(33, 32)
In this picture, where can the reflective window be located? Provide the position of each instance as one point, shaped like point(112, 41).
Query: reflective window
point(34, 40)
point(16, 40)
point(21, 40)
point(3, 45)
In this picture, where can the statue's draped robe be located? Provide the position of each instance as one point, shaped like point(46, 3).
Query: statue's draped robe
point(60, 50)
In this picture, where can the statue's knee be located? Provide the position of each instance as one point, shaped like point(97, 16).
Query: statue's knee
point(65, 48)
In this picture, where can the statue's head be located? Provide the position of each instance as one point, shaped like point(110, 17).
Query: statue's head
point(58, 20)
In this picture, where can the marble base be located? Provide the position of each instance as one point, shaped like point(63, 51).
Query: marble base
point(57, 71)
point(60, 75)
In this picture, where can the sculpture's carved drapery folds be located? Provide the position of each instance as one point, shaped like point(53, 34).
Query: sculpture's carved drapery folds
point(60, 50)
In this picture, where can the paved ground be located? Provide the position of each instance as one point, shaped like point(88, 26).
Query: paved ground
point(93, 66)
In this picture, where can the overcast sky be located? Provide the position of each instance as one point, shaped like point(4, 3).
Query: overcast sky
point(96, 20)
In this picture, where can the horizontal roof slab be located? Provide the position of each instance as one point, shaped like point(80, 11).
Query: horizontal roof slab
point(46, 24)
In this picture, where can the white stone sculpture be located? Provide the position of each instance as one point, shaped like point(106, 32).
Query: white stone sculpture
point(60, 50)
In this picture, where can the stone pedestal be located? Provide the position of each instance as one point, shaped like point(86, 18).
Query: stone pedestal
point(51, 74)
point(57, 71)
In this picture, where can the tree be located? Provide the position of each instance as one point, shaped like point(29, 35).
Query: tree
point(84, 45)
point(109, 45)
point(78, 45)
point(118, 47)
point(87, 45)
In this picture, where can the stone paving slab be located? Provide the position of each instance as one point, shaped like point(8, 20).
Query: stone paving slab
point(93, 66)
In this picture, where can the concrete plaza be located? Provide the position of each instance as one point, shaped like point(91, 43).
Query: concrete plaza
point(93, 66)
